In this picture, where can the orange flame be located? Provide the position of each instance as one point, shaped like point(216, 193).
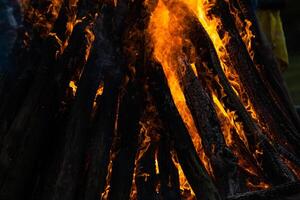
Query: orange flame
point(167, 45)
point(185, 189)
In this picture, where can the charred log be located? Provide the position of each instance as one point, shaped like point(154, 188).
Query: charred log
point(188, 158)
point(281, 192)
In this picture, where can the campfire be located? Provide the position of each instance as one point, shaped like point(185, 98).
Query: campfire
point(147, 100)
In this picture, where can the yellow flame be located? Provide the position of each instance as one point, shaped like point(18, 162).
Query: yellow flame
point(73, 86)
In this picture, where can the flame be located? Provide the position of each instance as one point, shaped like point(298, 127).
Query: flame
point(104, 195)
point(146, 137)
point(73, 86)
point(257, 186)
point(244, 27)
point(98, 94)
point(193, 66)
point(42, 19)
point(211, 24)
point(165, 32)
point(186, 190)
point(163, 28)
point(112, 155)
point(292, 166)
point(90, 38)
point(156, 163)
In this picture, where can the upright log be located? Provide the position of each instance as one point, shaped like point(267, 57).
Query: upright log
point(203, 111)
point(29, 130)
point(145, 178)
point(188, 158)
point(103, 128)
point(168, 173)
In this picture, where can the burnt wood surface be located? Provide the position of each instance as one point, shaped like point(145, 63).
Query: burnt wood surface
point(288, 191)
point(188, 158)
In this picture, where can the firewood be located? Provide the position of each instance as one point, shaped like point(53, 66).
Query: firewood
point(103, 127)
point(204, 115)
point(76, 134)
point(146, 179)
point(281, 192)
point(168, 174)
point(131, 105)
point(264, 57)
point(209, 57)
point(30, 125)
point(253, 84)
point(188, 158)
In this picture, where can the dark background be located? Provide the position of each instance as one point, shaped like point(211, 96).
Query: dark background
point(291, 24)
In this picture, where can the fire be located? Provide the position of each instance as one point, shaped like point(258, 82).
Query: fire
point(148, 135)
point(260, 185)
point(73, 86)
point(90, 38)
point(98, 94)
point(144, 143)
point(104, 195)
point(186, 191)
point(112, 155)
point(163, 28)
point(38, 17)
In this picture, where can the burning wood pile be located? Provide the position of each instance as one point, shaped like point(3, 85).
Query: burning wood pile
point(145, 99)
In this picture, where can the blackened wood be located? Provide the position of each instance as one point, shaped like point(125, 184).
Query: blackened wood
point(145, 178)
point(211, 60)
point(168, 173)
point(288, 191)
point(266, 63)
point(204, 114)
point(187, 155)
point(31, 124)
point(131, 105)
point(76, 134)
point(253, 85)
point(102, 136)
point(105, 118)
point(209, 129)
point(129, 16)
point(26, 136)
point(39, 55)
point(31, 51)
point(259, 95)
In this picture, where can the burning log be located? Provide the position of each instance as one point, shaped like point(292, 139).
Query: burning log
point(104, 123)
point(145, 179)
point(188, 158)
point(169, 177)
point(266, 62)
point(257, 92)
point(210, 60)
point(128, 126)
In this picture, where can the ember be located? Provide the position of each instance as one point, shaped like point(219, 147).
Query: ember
point(145, 99)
